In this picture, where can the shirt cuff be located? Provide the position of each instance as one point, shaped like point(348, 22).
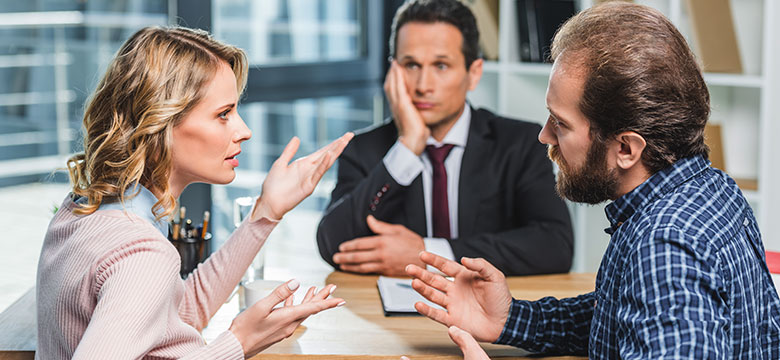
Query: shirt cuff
point(439, 247)
point(519, 324)
point(402, 164)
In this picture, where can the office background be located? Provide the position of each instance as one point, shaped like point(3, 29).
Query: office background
point(317, 68)
point(317, 71)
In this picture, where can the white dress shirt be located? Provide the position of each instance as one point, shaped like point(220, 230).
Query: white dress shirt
point(404, 166)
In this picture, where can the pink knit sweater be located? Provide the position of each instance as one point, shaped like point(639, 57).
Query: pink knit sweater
point(109, 288)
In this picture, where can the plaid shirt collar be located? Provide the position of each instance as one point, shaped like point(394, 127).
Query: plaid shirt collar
point(657, 185)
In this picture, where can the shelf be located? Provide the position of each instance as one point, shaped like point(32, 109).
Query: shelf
point(518, 68)
point(749, 188)
point(538, 69)
point(491, 66)
point(733, 80)
point(543, 69)
point(752, 196)
point(747, 184)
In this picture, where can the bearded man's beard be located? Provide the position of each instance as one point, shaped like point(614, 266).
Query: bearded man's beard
point(592, 183)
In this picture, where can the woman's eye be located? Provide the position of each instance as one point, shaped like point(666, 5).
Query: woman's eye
point(223, 115)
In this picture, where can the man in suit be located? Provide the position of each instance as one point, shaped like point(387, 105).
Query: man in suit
point(442, 176)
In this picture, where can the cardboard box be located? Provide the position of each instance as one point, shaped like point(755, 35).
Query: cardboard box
point(486, 13)
point(715, 40)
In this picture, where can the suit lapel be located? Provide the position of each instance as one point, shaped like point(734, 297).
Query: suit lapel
point(472, 166)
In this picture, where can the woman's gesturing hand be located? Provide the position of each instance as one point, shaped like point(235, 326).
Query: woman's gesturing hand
point(260, 325)
point(287, 184)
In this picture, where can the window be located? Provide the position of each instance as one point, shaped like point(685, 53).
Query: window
point(293, 32)
point(52, 53)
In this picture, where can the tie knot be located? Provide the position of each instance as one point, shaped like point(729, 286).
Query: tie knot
point(438, 154)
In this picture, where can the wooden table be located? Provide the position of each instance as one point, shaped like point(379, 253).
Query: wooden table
point(358, 330)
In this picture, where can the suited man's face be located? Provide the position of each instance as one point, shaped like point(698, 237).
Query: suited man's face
point(435, 72)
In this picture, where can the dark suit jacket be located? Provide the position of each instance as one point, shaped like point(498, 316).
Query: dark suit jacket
point(508, 212)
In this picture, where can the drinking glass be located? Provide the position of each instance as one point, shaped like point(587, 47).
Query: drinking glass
point(242, 208)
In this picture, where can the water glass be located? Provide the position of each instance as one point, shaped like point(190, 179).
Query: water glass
point(242, 208)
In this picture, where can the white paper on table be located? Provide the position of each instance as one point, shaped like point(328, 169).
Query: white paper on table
point(398, 297)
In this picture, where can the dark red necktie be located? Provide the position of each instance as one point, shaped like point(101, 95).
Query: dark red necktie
point(440, 206)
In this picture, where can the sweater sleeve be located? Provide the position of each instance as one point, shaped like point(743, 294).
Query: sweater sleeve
point(207, 288)
point(135, 288)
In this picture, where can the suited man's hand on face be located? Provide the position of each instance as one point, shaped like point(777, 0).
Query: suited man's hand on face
point(412, 131)
point(386, 253)
point(477, 301)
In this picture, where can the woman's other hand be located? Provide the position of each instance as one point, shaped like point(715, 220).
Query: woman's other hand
point(260, 325)
point(287, 184)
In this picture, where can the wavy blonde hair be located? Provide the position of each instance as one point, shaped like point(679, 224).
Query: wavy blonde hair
point(156, 78)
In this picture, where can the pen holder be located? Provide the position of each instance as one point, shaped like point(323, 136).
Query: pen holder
point(192, 250)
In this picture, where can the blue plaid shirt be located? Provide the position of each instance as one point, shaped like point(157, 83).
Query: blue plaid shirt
point(684, 275)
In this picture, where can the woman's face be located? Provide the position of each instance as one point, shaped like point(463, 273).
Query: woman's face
point(207, 141)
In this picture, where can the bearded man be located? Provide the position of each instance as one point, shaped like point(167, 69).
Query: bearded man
point(684, 275)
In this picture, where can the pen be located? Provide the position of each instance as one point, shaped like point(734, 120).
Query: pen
point(182, 212)
point(206, 216)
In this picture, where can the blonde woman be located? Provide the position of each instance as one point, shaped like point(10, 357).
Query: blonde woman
point(164, 116)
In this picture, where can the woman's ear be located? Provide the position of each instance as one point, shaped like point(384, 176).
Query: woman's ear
point(631, 145)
